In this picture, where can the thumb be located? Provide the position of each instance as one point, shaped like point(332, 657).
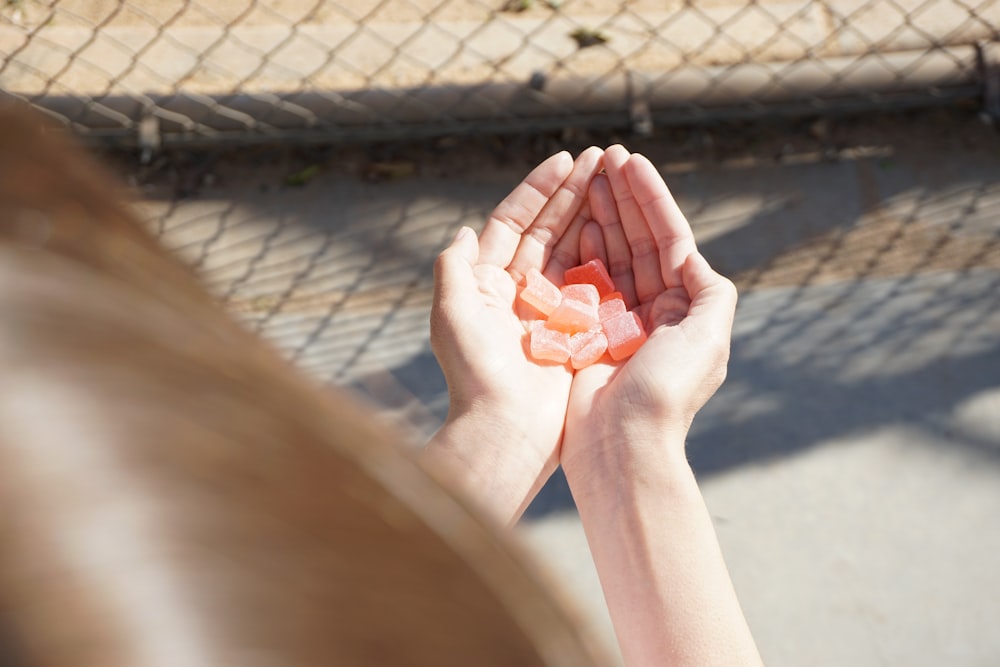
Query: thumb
point(713, 298)
point(453, 270)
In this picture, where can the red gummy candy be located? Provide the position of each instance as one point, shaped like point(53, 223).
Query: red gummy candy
point(593, 272)
point(612, 295)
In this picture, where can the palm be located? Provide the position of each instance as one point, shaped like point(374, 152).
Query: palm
point(608, 391)
point(649, 247)
point(503, 365)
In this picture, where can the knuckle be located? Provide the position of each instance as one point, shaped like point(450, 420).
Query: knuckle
point(729, 287)
point(577, 190)
point(441, 264)
point(562, 257)
point(716, 345)
point(720, 349)
point(642, 247)
point(542, 234)
point(441, 260)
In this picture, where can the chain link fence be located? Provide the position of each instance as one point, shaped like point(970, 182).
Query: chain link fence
point(161, 72)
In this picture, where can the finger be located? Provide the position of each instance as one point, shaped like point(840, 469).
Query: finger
point(619, 257)
point(454, 278)
point(592, 244)
point(566, 253)
point(713, 299)
point(671, 237)
point(538, 240)
point(502, 233)
point(645, 260)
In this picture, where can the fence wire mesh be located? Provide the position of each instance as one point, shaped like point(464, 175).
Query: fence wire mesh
point(171, 71)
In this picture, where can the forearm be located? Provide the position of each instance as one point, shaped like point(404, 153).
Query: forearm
point(491, 460)
point(668, 591)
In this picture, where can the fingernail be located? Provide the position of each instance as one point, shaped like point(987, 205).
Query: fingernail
point(462, 233)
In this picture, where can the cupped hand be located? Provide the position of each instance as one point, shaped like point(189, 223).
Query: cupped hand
point(623, 416)
point(506, 412)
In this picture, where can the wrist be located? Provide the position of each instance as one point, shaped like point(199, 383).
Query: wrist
point(491, 457)
point(632, 457)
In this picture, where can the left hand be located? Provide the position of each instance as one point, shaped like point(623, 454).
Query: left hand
point(506, 414)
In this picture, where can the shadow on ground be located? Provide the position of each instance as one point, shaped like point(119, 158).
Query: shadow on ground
point(869, 267)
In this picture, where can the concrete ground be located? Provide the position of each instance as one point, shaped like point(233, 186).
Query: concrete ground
point(851, 461)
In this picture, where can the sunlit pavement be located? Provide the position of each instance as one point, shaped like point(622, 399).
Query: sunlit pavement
point(851, 461)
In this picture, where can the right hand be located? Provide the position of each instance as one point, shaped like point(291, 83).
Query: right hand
point(669, 596)
point(625, 418)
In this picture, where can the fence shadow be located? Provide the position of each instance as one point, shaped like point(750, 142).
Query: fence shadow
point(869, 283)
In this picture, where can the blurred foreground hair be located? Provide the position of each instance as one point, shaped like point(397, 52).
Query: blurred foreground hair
point(174, 494)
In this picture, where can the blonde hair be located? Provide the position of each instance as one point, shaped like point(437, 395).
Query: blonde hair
point(173, 493)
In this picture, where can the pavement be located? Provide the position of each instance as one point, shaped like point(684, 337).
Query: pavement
point(851, 462)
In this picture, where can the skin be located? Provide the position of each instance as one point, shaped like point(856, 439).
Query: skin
point(617, 428)
point(502, 437)
point(666, 584)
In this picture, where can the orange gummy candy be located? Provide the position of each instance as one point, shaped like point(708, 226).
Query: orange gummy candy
point(587, 347)
point(586, 317)
point(540, 293)
point(594, 273)
point(625, 335)
point(548, 344)
point(573, 316)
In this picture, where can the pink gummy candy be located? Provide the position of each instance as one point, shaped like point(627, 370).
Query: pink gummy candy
point(540, 293)
point(548, 344)
point(625, 335)
point(582, 292)
point(594, 273)
point(608, 309)
point(587, 347)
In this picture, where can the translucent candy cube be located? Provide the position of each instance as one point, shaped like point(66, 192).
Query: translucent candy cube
point(625, 335)
point(587, 347)
point(608, 309)
point(573, 316)
point(548, 344)
point(593, 273)
point(540, 293)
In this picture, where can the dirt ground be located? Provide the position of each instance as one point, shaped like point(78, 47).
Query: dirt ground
point(688, 51)
point(252, 12)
